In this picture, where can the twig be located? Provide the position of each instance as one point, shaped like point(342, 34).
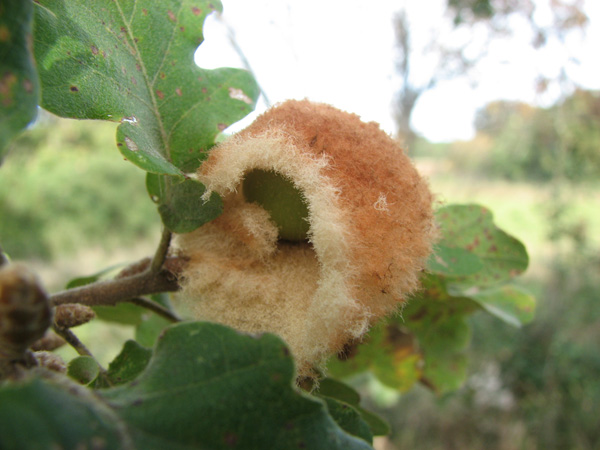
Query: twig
point(72, 340)
point(155, 307)
point(80, 348)
point(111, 292)
point(161, 252)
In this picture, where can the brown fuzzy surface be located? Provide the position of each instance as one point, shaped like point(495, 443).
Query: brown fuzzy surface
point(388, 202)
point(371, 230)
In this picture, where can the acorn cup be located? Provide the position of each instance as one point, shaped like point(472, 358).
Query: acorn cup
point(326, 227)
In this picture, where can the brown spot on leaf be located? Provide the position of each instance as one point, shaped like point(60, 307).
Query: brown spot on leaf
point(276, 377)
point(138, 67)
point(133, 80)
point(74, 89)
point(6, 83)
point(181, 29)
point(422, 312)
point(204, 90)
point(95, 50)
point(473, 245)
point(4, 33)
point(163, 75)
point(196, 11)
point(28, 85)
point(160, 94)
point(144, 11)
point(171, 15)
point(178, 91)
point(221, 126)
point(398, 338)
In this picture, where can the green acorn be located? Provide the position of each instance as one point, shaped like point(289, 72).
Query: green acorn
point(281, 199)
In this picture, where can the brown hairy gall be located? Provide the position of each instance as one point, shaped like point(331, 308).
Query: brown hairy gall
point(370, 231)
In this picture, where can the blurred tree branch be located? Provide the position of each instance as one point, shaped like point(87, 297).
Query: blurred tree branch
point(461, 38)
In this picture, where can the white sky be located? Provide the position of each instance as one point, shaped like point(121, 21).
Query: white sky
point(342, 52)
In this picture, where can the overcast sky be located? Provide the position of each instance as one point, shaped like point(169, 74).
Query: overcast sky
point(342, 52)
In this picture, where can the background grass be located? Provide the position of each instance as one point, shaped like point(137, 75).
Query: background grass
point(67, 194)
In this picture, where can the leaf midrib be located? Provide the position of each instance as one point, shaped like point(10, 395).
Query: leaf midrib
point(150, 83)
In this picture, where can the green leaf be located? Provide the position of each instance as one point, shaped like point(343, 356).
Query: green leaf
point(19, 84)
point(44, 414)
point(123, 313)
point(389, 352)
point(434, 302)
point(149, 329)
point(405, 350)
point(378, 425)
point(471, 227)
point(133, 62)
point(509, 303)
point(208, 386)
point(445, 373)
point(151, 325)
point(180, 203)
point(453, 262)
point(441, 335)
point(83, 369)
point(349, 419)
point(128, 364)
point(443, 344)
point(335, 389)
point(130, 314)
point(329, 387)
point(89, 279)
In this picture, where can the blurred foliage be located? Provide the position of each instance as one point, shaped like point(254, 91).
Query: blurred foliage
point(539, 144)
point(463, 36)
point(479, 9)
point(537, 388)
point(53, 174)
point(519, 142)
point(472, 264)
point(529, 390)
point(565, 15)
